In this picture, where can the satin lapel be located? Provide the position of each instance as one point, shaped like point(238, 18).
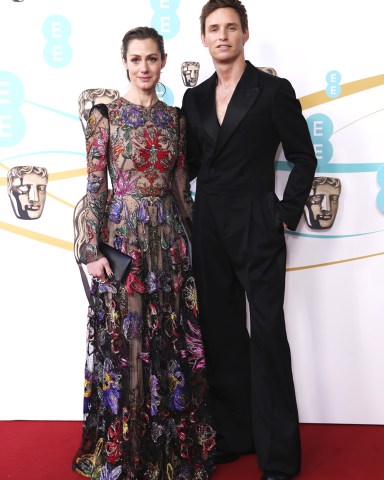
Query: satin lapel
point(206, 105)
point(242, 100)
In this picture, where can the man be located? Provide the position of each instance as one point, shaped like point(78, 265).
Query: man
point(236, 121)
point(27, 190)
point(323, 202)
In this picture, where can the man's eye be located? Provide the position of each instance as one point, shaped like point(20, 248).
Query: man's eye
point(152, 60)
point(134, 60)
point(41, 188)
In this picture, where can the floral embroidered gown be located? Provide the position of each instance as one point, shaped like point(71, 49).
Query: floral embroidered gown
point(145, 414)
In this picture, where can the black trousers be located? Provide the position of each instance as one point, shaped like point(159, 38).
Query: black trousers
point(238, 249)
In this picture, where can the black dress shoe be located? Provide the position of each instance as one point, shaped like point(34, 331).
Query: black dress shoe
point(222, 457)
point(276, 476)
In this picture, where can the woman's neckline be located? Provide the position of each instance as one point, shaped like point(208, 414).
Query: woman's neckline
point(141, 106)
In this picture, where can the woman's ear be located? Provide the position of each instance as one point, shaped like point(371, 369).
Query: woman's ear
point(164, 61)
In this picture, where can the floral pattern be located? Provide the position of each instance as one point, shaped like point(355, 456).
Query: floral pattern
point(145, 389)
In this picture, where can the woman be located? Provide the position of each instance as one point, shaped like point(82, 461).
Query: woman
point(145, 413)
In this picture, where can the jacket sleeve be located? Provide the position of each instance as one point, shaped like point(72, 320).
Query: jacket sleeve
point(298, 149)
point(193, 150)
point(97, 145)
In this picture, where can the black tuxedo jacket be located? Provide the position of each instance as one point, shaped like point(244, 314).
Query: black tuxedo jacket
point(240, 154)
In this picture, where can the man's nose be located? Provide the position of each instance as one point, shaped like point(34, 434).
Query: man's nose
point(222, 34)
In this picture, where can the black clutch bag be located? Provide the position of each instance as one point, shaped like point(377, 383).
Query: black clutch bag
point(119, 262)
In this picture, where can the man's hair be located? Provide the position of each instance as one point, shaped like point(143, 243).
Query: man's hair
point(213, 5)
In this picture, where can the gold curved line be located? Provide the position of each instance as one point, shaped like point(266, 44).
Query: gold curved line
point(358, 120)
point(306, 267)
point(56, 242)
point(319, 98)
point(69, 246)
point(58, 199)
point(68, 174)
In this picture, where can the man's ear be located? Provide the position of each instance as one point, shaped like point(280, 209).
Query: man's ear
point(245, 36)
point(203, 40)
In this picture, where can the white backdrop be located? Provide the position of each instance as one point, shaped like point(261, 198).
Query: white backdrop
point(51, 50)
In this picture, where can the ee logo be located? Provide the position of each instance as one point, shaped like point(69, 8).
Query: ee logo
point(12, 122)
point(321, 130)
point(165, 19)
point(57, 51)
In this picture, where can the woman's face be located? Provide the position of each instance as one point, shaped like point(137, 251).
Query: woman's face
point(144, 64)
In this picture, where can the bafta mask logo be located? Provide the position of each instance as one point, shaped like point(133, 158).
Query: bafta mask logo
point(190, 73)
point(27, 189)
point(321, 206)
point(93, 96)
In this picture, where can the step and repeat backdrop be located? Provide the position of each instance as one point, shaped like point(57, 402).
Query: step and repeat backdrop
point(52, 51)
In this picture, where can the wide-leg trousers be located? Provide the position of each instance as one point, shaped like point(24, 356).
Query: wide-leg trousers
point(239, 248)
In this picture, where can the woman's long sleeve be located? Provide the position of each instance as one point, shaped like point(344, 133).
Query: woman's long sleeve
point(181, 186)
point(97, 146)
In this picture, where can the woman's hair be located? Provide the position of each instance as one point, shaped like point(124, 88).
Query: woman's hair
point(213, 5)
point(142, 33)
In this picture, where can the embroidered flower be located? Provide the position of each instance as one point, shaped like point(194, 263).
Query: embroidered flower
point(160, 117)
point(132, 324)
point(87, 389)
point(195, 348)
point(132, 116)
point(94, 182)
point(190, 295)
point(97, 148)
point(114, 474)
point(111, 387)
point(115, 210)
point(158, 281)
point(155, 396)
point(176, 386)
point(112, 447)
point(125, 183)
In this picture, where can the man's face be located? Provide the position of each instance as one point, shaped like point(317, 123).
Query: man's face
point(322, 206)
point(28, 196)
point(190, 73)
point(223, 35)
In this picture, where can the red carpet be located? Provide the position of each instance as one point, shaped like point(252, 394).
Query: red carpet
point(43, 451)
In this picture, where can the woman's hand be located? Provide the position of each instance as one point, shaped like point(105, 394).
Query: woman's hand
point(100, 270)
